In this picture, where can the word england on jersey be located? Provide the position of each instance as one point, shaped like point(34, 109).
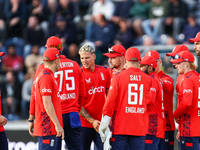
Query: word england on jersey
point(134, 110)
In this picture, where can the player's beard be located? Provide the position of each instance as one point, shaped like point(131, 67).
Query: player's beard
point(115, 65)
point(146, 71)
point(174, 66)
point(197, 52)
point(57, 67)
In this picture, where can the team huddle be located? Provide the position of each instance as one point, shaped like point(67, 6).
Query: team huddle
point(126, 107)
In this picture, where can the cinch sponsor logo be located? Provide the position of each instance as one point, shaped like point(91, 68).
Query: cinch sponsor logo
point(187, 91)
point(46, 90)
point(96, 90)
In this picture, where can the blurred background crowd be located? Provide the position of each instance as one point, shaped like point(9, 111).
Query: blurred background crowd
point(25, 26)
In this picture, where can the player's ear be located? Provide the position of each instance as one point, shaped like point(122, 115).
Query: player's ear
point(57, 61)
point(150, 69)
point(94, 55)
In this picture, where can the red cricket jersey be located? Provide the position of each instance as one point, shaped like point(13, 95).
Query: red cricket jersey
point(126, 102)
point(179, 80)
point(168, 92)
point(156, 125)
point(46, 85)
point(97, 83)
point(32, 100)
point(71, 85)
point(189, 106)
point(178, 88)
point(1, 127)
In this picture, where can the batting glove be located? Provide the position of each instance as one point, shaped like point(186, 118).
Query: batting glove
point(107, 145)
point(103, 128)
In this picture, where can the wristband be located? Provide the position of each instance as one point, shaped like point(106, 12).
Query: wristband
point(30, 120)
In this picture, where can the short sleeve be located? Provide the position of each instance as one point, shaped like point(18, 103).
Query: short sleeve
point(46, 85)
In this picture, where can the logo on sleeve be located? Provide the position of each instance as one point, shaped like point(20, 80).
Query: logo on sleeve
point(88, 80)
point(168, 81)
point(34, 82)
point(46, 90)
point(56, 82)
point(153, 89)
point(102, 76)
point(187, 91)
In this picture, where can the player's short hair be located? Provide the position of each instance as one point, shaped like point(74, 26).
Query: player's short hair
point(47, 61)
point(86, 48)
point(134, 62)
point(192, 65)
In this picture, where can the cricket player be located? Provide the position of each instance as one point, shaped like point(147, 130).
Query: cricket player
point(196, 42)
point(71, 85)
point(187, 113)
point(72, 91)
point(3, 122)
point(48, 117)
point(179, 79)
point(55, 42)
point(156, 121)
point(116, 55)
point(97, 81)
point(126, 104)
point(168, 92)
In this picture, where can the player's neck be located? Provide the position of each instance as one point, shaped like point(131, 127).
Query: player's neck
point(50, 67)
point(133, 65)
point(92, 68)
point(187, 70)
point(120, 68)
point(158, 70)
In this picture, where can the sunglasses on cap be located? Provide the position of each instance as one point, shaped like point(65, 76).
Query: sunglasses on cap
point(173, 57)
point(112, 51)
point(177, 57)
point(58, 47)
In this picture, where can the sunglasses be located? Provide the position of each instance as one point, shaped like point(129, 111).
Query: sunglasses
point(173, 57)
point(177, 57)
point(112, 51)
point(59, 46)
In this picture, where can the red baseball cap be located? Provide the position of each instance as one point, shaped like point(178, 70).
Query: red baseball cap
point(178, 49)
point(52, 53)
point(149, 60)
point(55, 42)
point(196, 39)
point(153, 53)
point(133, 54)
point(2, 53)
point(183, 56)
point(116, 50)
